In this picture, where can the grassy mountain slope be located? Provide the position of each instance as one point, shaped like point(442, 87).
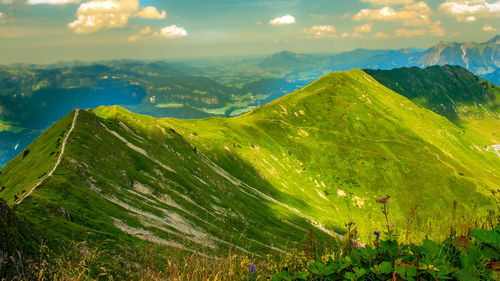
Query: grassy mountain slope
point(450, 91)
point(316, 158)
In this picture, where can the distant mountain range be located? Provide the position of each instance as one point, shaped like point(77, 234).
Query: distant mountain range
point(32, 97)
point(480, 58)
point(316, 159)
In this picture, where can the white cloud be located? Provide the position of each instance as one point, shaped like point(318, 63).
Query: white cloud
point(321, 31)
point(380, 35)
point(172, 31)
point(103, 14)
point(49, 2)
point(169, 32)
point(421, 20)
point(150, 13)
point(488, 27)
point(385, 13)
point(407, 33)
point(288, 19)
point(469, 10)
point(413, 14)
point(420, 7)
point(389, 14)
point(364, 28)
point(388, 2)
point(345, 35)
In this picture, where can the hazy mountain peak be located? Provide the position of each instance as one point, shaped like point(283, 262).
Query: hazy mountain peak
point(495, 40)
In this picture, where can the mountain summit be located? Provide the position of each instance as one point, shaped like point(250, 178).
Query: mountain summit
point(495, 40)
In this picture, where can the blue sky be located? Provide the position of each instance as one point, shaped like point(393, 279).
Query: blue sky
point(45, 31)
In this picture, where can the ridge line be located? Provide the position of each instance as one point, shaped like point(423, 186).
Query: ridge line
point(59, 159)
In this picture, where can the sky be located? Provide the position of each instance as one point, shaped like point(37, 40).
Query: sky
point(48, 31)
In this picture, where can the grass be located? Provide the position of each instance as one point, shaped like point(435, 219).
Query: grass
point(466, 254)
point(318, 159)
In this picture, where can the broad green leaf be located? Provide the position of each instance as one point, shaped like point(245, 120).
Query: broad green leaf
point(385, 267)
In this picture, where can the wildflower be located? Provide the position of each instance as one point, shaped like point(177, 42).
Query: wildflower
point(383, 199)
point(252, 268)
point(377, 234)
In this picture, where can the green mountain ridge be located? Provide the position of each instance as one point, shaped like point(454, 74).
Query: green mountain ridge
point(314, 159)
point(465, 95)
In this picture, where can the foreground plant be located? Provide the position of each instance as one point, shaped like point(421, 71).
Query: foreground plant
point(388, 259)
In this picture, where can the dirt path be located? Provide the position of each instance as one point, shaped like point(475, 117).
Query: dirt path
point(59, 159)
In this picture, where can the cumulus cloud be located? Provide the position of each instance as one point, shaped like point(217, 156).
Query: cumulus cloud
point(103, 14)
point(388, 2)
point(421, 20)
point(345, 35)
point(288, 19)
point(407, 33)
point(470, 7)
point(412, 14)
point(151, 13)
point(321, 31)
point(420, 7)
point(169, 32)
point(469, 10)
point(389, 14)
point(172, 31)
point(385, 13)
point(488, 27)
point(380, 35)
point(364, 28)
